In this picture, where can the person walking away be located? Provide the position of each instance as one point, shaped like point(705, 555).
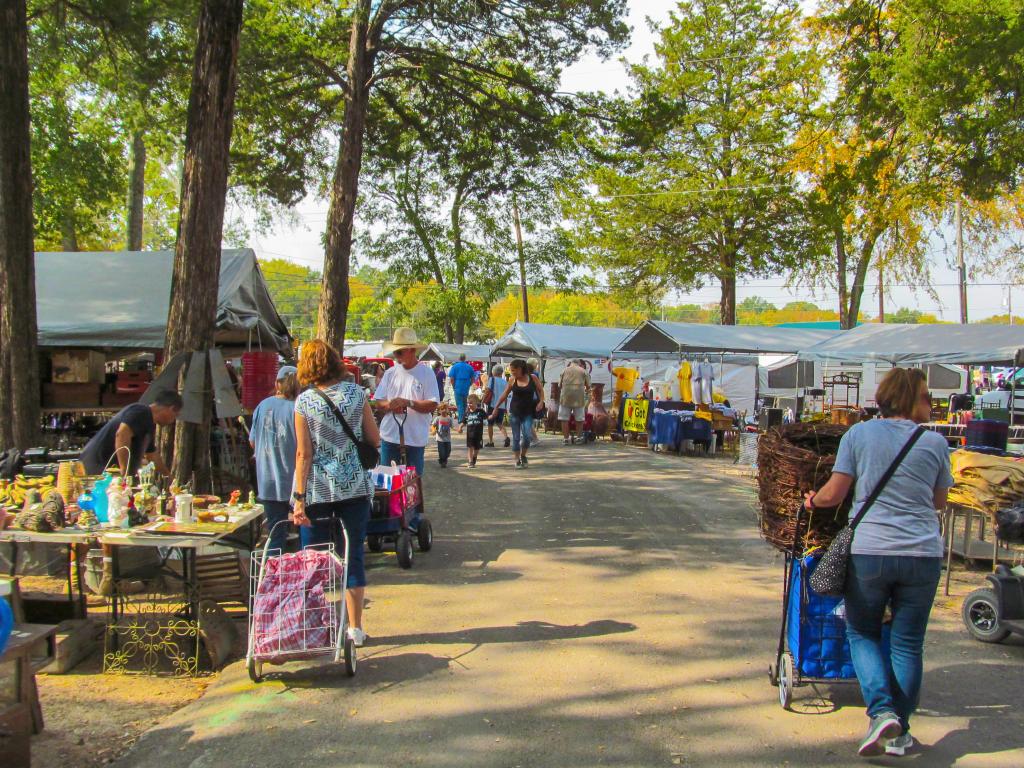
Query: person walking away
point(496, 383)
point(526, 399)
point(476, 418)
point(896, 553)
point(272, 439)
point(574, 384)
point(441, 376)
point(443, 433)
point(131, 436)
point(461, 376)
point(408, 396)
point(331, 486)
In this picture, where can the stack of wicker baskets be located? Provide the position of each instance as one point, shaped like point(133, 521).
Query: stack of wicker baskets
point(792, 460)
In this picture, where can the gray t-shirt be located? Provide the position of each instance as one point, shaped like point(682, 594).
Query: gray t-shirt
point(902, 521)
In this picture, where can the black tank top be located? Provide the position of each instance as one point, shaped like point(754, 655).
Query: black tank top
point(522, 403)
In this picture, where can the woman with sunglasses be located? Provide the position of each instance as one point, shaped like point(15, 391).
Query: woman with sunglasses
point(896, 554)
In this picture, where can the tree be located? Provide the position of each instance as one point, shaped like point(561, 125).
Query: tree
point(295, 290)
point(957, 74)
point(193, 307)
point(755, 305)
point(874, 193)
point(19, 365)
point(698, 186)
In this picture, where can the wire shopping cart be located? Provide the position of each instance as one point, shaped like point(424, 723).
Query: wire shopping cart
point(297, 607)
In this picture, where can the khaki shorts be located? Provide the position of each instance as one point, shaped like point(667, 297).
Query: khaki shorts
point(565, 411)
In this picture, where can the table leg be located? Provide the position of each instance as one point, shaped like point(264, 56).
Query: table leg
point(81, 552)
point(950, 516)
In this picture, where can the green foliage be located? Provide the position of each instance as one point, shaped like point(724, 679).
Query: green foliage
point(693, 182)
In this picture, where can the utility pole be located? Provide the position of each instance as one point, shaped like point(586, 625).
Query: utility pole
point(881, 293)
point(961, 268)
point(522, 259)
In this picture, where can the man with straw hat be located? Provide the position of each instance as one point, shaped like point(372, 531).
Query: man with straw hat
point(408, 394)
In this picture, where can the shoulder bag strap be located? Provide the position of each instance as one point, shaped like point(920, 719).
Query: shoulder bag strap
point(338, 415)
point(888, 475)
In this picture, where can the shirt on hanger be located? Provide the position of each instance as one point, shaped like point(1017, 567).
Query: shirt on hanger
point(625, 378)
point(684, 374)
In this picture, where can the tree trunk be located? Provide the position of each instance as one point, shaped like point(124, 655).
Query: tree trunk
point(727, 307)
point(341, 213)
point(136, 192)
point(68, 235)
point(522, 261)
point(190, 323)
point(19, 364)
point(863, 262)
point(844, 308)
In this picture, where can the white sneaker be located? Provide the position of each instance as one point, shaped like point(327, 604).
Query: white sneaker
point(357, 636)
point(882, 729)
point(899, 745)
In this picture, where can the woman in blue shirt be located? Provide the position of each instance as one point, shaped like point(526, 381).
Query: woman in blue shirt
point(273, 442)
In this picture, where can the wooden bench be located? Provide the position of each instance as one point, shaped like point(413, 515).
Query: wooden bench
point(30, 647)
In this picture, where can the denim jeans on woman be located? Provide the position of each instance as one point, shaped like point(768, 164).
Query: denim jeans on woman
point(890, 682)
point(522, 429)
point(354, 514)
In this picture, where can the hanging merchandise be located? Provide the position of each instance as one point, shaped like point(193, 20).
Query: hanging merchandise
point(703, 378)
point(684, 374)
point(625, 378)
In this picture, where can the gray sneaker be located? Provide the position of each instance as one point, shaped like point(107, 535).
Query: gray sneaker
point(900, 745)
point(881, 729)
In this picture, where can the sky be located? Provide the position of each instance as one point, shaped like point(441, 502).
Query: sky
point(987, 296)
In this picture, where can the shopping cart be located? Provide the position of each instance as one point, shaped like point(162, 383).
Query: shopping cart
point(813, 647)
point(396, 516)
point(297, 607)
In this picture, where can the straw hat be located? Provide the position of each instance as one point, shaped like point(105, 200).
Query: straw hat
point(404, 338)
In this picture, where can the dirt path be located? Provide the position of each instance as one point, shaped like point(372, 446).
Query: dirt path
point(607, 606)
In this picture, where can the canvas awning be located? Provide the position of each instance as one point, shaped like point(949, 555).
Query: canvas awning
point(558, 341)
point(660, 337)
point(921, 344)
point(449, 353)
point(119, 300)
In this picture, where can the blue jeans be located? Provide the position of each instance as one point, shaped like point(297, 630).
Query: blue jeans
point(392, 452)
point(273, 513)
point(522, 430)
point(354, 514)
point(444, 450)
point(460, 403)
point(890, 682)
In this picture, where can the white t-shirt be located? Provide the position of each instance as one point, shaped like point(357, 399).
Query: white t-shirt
point(419, 383)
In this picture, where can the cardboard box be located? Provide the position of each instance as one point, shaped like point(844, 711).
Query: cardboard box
point(78, 366)
point(71, 395)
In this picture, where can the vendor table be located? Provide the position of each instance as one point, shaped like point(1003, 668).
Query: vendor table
point(20, 712)
point(968, 547)
point(77, 542)
point(955, 432)
point(149, 629)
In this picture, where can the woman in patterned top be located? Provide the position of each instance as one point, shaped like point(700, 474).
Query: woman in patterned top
point(331, 486)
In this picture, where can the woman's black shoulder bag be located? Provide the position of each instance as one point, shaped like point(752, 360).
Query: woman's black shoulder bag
point(829, 576)
point(369, 456)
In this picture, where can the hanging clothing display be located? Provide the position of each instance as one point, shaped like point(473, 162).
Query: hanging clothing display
point(684, 374)
point(625, 378)
point(703, 382)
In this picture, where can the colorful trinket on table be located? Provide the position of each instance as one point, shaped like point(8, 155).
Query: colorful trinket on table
point(235, 496)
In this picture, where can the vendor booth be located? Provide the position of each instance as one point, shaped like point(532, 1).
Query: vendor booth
point(448, 354)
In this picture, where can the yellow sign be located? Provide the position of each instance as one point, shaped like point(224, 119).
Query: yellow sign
point(634, 414)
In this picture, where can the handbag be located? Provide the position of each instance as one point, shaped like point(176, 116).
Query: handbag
point(369, 456)
point(829, 577)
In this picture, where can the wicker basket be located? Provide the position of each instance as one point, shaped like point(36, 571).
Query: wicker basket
point(792, 460)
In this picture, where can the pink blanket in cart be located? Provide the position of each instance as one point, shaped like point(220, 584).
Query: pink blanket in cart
point(291, 612)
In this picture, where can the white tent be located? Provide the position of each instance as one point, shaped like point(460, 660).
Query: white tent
point(449, 353)
point(359, 349)
point(920, 344)
point(658, 337)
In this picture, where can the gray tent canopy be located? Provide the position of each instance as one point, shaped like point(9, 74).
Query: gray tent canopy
point(920, 344)
point(119, 300)
point(559, 341)
point(449, 353)
point(659, 337)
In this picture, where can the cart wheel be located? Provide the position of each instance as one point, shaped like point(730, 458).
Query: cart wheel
point(256, 671)
point(981, 616)
point(350, 657)
point(403, 548)
point(375, 543)
point(787, 678)
point(425, 535)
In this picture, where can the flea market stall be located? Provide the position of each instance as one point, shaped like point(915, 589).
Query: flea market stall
point(554, 346)
point(986, 474)
point(703, 366)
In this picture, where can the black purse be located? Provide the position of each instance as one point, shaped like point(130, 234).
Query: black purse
point(829, 576)
point(369, 456)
